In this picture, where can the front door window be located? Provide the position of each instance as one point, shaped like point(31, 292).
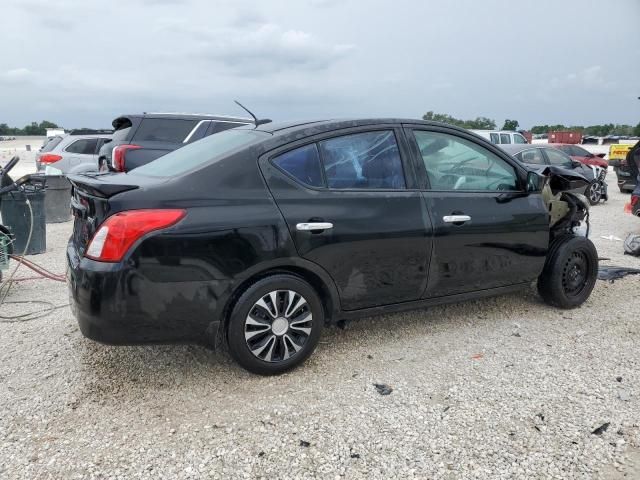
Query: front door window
point(454, 163)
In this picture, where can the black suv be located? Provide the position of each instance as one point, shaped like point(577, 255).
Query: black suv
point(261, 235)
point(139, 139)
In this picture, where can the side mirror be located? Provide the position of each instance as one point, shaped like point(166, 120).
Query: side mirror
point(535, 182)
point(575, 163)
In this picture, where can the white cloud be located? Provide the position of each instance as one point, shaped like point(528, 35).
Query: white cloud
point(590, 78)
point(266, 49)
point(17, 75)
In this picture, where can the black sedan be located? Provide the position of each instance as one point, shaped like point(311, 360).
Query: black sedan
point(540, 156)
point(258, 237)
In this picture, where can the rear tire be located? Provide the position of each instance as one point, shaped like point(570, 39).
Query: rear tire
point(569, 273)
point(275, 325)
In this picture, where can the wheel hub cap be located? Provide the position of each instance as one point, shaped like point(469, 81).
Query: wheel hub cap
point(280, 326)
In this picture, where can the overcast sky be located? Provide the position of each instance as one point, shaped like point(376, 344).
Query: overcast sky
point(83, 62)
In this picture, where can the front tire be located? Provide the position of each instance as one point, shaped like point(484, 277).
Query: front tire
point(569, 273)
point(594, 192)
point(275, 325)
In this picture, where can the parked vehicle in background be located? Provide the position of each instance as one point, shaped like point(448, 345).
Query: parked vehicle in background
point(140, 139)
point(501, 137)
point(581, 155)
point(54, 132)
point(265, 234)
point(618, 159)
point(76, 152)
point(539, 156)
point(527, 135)
point(571, 137)
point(634, 203)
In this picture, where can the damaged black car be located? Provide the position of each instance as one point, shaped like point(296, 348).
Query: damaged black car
point(260, 236)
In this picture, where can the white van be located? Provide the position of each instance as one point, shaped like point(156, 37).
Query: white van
point(501, 136)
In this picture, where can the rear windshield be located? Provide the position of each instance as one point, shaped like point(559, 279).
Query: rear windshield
point(51, 144)
point(196, 154)
point(164, 130)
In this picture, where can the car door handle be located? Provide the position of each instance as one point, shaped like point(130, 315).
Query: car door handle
point(456, 218)
point(313, 226)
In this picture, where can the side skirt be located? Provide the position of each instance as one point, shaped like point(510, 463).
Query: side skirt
point(430, 302)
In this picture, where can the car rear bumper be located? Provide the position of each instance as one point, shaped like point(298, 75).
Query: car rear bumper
point(115, 304)
point(625, 179)
point(626, 184)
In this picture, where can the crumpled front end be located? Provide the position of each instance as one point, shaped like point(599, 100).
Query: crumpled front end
point(568, 210)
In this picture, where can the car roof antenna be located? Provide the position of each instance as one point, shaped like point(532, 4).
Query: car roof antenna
point(255, 119)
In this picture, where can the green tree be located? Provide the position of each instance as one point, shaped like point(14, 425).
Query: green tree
point(479, 123)
point(636, 130)
point(510, 125)
point(32, 129)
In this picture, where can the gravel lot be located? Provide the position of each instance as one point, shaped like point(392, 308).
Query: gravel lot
point(499, 388)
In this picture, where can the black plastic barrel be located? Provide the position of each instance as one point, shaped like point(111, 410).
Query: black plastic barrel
point(57, 198)
point(16, 217)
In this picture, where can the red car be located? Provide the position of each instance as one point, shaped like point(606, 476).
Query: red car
point(581, 155)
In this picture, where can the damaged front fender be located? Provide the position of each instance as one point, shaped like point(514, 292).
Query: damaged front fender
point(568, 209)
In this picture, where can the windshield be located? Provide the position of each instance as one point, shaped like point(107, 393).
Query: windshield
point(196, 154)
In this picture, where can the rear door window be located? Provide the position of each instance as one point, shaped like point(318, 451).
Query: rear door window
point(84, 146)
point(303, 164)
point(368, 160)
point(505, 138)
point(169, 130)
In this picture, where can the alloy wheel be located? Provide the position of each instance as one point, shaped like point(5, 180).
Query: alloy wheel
point(595, 192)
point(278, 325)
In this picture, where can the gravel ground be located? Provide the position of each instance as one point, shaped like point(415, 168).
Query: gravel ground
point(499, 388)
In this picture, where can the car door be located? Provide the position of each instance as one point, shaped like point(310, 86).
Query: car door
point(350, 206)
point(488, 232)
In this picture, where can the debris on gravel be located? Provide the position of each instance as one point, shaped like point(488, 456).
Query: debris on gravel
point(383, 389)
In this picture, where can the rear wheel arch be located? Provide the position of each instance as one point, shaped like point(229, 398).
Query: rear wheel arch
point(323, 288)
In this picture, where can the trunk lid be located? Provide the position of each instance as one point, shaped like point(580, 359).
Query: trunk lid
point(90, 202)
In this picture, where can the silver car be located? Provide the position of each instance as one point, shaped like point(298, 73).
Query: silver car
point(71, 153)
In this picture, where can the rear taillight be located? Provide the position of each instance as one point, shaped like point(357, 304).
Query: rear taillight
point(119, 232)
point(635, 200)
point(118, 153)
point(50, 158)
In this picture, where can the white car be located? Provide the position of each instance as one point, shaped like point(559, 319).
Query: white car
point(76, 152)
point(501, 137)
